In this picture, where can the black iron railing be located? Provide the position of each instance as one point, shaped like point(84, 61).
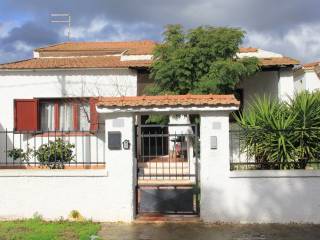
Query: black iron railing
point(52, 149)
point(263, 149)
point(167, 152)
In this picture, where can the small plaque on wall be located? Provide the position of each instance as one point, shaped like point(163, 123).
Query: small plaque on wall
point(114, 140)
point(118, 123)
point(216, 125)
point(213, 142)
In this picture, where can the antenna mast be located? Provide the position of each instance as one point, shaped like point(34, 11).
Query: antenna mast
point(63, 18)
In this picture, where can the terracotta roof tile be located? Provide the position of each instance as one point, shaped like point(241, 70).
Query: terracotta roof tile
point(75, 62)
point(247, 50)
point(169, 100)
point(276, 61)
point(109, 62)
point(130, 47)
point(311, 66)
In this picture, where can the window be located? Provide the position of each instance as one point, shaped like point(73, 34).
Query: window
point(65, 115)
point(47, 116)
point(84, 115)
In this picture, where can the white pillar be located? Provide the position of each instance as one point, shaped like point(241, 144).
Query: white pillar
point(285, 84)
point(121, 164)
point(214, 167)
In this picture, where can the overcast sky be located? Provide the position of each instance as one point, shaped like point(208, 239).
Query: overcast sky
point(290, 27)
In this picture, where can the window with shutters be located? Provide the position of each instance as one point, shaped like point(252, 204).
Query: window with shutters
point(59, 114)
point(65, 115)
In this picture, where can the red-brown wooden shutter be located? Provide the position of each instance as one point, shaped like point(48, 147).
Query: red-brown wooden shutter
point(94, 117)
point(26, 114)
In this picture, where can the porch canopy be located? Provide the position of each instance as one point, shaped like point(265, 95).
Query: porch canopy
point(168, 103)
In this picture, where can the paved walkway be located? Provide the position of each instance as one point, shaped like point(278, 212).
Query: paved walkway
point(199, 231)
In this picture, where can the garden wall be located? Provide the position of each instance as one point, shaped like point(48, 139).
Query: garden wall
point(100, 194)
point(260, 196)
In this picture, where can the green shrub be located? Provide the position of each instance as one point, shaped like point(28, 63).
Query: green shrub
point(285, 134)
point(55, 153)
point(20, 154)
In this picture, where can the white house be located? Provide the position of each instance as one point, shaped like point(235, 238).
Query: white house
point(54, 91)
point(307, 77)
point(275, 78)
point(59, 75)
point(90, 94)
point(88, 69)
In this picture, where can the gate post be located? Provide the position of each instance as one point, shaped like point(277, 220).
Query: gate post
point(214, 161)
point(120, 163)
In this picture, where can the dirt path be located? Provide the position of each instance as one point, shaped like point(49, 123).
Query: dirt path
point(199, 231)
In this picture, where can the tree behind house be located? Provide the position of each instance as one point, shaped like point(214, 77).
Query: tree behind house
point(200, 61)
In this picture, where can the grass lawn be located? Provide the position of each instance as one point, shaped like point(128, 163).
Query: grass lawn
point(35, 229)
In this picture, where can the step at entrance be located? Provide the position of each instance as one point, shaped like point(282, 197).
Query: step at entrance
point(149, 217)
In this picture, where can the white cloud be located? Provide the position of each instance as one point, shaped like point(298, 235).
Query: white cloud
point(22, 46)
point(102, 29)
point(95, 26)
point(5, 28)
point(301, 42)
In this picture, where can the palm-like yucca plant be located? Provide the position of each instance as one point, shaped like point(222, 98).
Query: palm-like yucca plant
point(265, 136)
point(286, 134)
point(306, 105)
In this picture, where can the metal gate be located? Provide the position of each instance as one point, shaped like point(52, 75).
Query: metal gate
point(168, 169)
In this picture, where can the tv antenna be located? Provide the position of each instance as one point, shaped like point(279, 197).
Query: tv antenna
point(62, 18)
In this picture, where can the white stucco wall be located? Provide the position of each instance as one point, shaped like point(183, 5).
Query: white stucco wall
point(312, 81)
point(64, 83)
point(260, 53)
point(251, 196)
point(274, 84)
point(306, 80)
point(286, 84)
point(135, 57)
point(299, 81)
point(264, 83)
point(100, 195)
point(55, 84)
point(103, 195)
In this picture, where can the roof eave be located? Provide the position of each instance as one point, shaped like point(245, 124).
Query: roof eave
point(59, 69)
point(168, 109)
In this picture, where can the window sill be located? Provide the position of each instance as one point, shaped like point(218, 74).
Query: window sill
point(64, 134)
point(275, 174)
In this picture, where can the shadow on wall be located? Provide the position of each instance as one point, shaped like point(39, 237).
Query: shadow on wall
point(5, 144)
point(62, 82)
point(262, 200)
